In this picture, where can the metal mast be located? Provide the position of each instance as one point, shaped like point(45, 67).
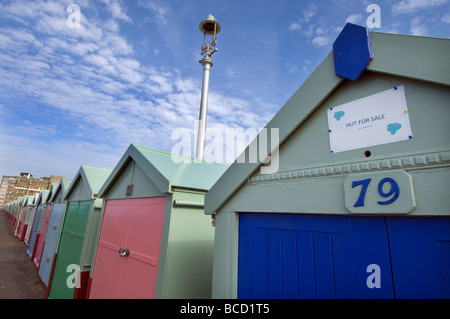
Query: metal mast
point(209, 26)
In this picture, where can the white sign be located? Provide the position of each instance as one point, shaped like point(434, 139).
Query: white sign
point(374, 120)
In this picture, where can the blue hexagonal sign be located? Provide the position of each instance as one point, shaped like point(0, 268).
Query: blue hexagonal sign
point(352, 52)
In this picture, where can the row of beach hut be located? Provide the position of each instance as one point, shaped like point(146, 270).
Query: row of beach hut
point(142, 225)
point(352, 202)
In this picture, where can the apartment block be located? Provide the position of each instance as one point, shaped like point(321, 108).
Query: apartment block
point(13, 187)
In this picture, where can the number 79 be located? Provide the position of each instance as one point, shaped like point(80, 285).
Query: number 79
point(395, 189)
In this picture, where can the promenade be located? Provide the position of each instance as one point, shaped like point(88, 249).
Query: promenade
point(18, 275)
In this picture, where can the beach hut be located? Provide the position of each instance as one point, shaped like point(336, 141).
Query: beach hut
point(11, 210)
point(41, 204)
point(155, 241)
point(30, 218)
point(22, 220)
point(15, 210)
point(80, 226)
point(18, 216)
point(58, 206)
point(42, 231)
point(353, 201)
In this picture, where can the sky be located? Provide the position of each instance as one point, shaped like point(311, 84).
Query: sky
point(79, 92)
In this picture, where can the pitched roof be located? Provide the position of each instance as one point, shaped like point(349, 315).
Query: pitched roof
point(166, 170)
point(420, 58)
point(60, 187)
point(93, 178)
point(30, 200)
point(22, 201)
point(43, 196)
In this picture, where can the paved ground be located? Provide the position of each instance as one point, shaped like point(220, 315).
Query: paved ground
point(18, 275)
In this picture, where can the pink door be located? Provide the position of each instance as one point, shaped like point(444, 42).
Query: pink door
point(22, 227)
point(41, 239)
point(126, 264)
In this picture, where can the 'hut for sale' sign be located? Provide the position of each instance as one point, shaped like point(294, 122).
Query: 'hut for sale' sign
point(374, 120)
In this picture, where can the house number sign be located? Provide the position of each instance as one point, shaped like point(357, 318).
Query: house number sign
point(389, 192)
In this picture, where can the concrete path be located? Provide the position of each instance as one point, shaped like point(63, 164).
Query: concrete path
point(18, 275)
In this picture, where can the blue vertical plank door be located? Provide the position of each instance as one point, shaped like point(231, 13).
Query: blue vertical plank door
point(420, 253)
point(51, 241)
point(312, 256)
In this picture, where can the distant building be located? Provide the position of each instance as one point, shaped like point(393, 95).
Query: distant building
point(55, 178)
point(13, 187)
point(7, 189)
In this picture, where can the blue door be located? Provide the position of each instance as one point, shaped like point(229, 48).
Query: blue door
point(34, 230)
point(420, 253)
point(311, 256)
point(51, 241)
point(306, 256)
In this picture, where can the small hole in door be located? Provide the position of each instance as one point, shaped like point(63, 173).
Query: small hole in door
point(367, 153)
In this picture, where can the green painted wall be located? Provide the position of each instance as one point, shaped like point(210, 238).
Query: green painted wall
point(92, 228)
point(190, 249)
point(132, 174)
point(69, 248)
point(79, 192)
point(310, 178)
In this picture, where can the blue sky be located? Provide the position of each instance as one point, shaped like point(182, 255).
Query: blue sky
point(130, 73)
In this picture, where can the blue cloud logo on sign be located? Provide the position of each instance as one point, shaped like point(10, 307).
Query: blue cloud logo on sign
point(338, 115)
point(394, 127)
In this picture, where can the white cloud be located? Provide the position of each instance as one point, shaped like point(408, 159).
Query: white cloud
point(117, 44)
point(295, 26)
point(54, 156)
point(354, 18)
point(160, 10)
point(417, 27)
point(292, 68)
point(116, 10)
point(97, 60)
point(319, 34)
point(321, 30)
point(163, 83)
point(317, 31)
point(411, 6)
point(321, 41)
point(90, 77)
point(308, 13)
point(98, 83)
point(22, 11)
point(446, 18)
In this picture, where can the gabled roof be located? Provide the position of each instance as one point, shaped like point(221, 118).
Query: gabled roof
point(42, 198)
point(32, 201)
point(93, 178)
point(46, 197)
point(29, 200)
point(60, 187)
point(50, 193)
point(164, 172)
point(22, 200)
point(420, 58)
